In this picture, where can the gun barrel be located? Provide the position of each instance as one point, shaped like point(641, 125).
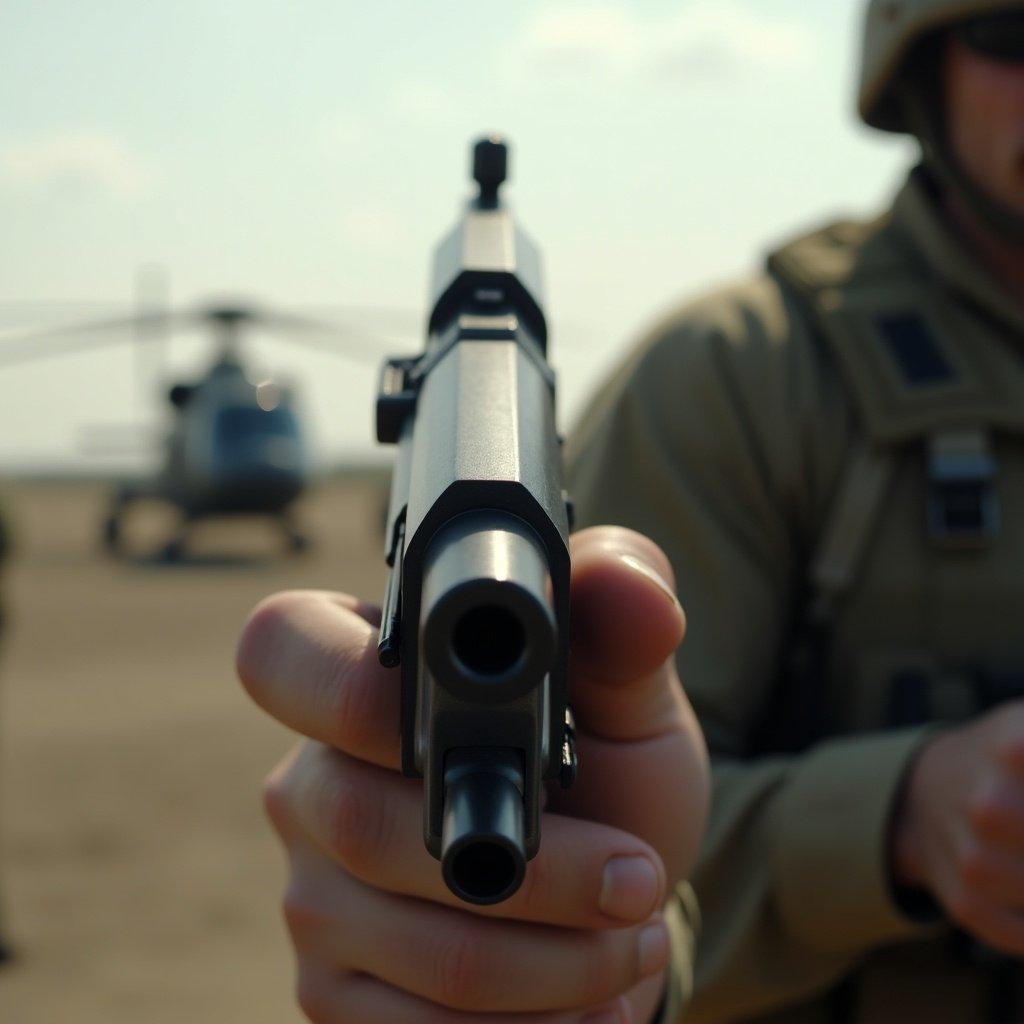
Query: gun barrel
point(488, 626)
point(483, 850)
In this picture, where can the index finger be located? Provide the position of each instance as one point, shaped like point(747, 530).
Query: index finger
point(309, 658)
point(370, 822)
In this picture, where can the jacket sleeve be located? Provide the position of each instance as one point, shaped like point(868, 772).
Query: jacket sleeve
point(720, 439)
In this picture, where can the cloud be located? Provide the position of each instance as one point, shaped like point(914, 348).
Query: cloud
point(341, 130)
point(423, 103)
point(616, 42)
point(605, 34)
point(731, 37)
point(371, 225)
point(76, 162)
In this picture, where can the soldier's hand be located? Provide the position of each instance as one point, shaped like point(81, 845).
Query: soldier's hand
point(959, 832)
point(379, 938)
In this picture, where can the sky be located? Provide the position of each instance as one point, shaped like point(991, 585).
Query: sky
point(307, 155)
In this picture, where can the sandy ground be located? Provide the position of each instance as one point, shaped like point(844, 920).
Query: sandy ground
point(138, 880)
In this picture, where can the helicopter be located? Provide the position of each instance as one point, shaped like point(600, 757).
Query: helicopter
point(236, 445)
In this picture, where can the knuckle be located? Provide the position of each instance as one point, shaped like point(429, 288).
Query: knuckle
point(460, 967)
point(354, 823)
point(355, 998)
point(313, 998)
point(606, 971)
point(1009, 739)
point(988, 815)
point(538, 888)
point(277, 801)
point(303, 913)
point(973, 865)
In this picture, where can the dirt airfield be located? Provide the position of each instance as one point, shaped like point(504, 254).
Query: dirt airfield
point(139, 883)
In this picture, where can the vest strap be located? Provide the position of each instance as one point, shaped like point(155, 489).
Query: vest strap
point(864, 486)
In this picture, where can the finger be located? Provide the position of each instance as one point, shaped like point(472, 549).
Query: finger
point(329, 998)
point(369, 821)
point(626, 625)
point(1007, 740)
point(997, 813)
point(470, 963)
point(635, 722)
point(309, 658)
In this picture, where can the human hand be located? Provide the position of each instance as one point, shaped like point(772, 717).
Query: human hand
point(379, 937)
point(959, 830)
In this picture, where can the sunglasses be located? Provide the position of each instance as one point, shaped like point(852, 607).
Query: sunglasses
point(997, 36)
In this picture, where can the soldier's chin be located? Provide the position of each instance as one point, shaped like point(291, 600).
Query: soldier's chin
point(1015, 200)
point(1007, 188)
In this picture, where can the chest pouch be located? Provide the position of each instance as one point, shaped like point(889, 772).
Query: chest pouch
point(963, 505)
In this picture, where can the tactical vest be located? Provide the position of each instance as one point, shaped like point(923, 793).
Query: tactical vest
point(938, 391)
point(897, 337)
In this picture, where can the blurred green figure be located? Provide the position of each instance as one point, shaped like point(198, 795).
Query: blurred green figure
point(5, 547)
point(833, 458)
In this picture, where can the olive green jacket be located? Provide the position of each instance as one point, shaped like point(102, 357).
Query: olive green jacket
point(727, 437)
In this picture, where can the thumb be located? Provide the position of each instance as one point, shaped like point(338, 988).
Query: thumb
point(626, 626)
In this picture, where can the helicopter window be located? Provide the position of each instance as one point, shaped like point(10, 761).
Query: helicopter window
point(243, 422)
point(179, 395)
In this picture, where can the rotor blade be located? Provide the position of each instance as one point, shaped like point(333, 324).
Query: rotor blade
point(117, 438)
point(361, 350)
point(152, 305)
point(20, 346)
point(323, 336)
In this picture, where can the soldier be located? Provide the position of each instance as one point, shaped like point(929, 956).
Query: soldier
point(6, 953)
point(832, 457)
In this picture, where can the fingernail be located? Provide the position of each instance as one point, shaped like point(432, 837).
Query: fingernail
point(603, 1017)
point(629, 888)
point(645, 570)
point(617, 1013)
point(654, 949)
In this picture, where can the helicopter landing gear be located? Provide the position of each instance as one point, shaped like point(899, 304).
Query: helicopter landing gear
point(6, 950)
point(112, 534)
point(174, 550)
point(297, 542)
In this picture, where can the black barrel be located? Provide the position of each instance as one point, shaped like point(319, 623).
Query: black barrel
point(483, 855)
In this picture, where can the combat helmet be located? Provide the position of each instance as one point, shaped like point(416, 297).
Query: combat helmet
point(898, 92)
point(891, 31)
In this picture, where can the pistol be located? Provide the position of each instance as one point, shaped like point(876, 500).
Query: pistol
point(476, 608)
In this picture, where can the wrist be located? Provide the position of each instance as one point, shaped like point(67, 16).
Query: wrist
point(906, 866)
point(907, 835)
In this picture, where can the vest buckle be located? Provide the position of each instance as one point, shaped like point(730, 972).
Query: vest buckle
point(963, 507)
